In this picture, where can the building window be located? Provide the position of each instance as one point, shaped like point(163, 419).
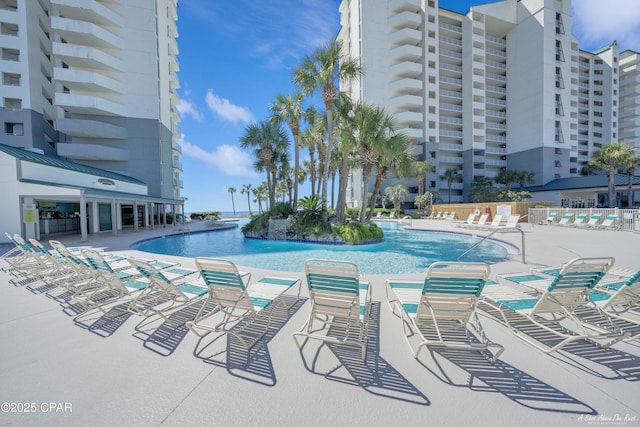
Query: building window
point(11, 79)
point(13, 103)
point(15, 129)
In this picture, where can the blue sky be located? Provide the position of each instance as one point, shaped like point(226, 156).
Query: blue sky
point(237, 56)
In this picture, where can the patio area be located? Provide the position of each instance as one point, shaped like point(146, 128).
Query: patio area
point(60, 367)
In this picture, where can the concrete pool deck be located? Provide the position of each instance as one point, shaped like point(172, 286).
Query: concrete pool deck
point(88, 370)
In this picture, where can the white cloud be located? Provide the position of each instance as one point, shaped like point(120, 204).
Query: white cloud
point(226, 158)
point(228, 111)
point(186, 108)
point(597, 23)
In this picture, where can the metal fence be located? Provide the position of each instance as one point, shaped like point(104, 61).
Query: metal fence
point(626, 219)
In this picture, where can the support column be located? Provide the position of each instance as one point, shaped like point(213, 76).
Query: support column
point(114, 217)
point(135, 216)
point(83, 218)
point(164, 215)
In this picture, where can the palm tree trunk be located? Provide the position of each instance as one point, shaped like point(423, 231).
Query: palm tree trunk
point(249, 203)
point(630, 172)
point(376, 189)
point(612, 187)
point(342, 189)
point(366, 176)
point(296, 170)
point(312, 169)
point(327, 158)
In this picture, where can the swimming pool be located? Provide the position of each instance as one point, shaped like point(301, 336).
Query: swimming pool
point(401, 252)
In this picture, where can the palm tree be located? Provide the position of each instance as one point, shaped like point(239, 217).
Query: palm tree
point(451, 175)
point(506, 177)
point(397, 193)
point(364, 128)
point(232, 190)
point(260, 194)
point(395, 156)
point(420, 169)
point(632, 162)
point(289, 109)
point(270, 142)
point(246, 189)
point(610, 158)
point(322, 71)
point(313, 139)
point(525, 177)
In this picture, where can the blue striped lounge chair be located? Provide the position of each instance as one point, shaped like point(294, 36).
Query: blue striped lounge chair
point(561, 306)
point(340, 305)
point(440, 311)
point(566, 218)
point(113, 286)
point(580, 221)
point(617, 293)
point(166, 294)
point(235, 298)
point(594, 219)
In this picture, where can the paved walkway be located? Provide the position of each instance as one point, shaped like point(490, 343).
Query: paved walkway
point(86, 370)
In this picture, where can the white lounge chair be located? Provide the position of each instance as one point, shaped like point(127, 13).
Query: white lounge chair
point(609, 222)
point(116, 285)
point(440, 311)
point(338, 300)
point(232, 295)
point(551, 217)
point(580, 221)
point(556, 306)
point(616, 293)
point(594, 219)
point(165, 294)
point(566, 218)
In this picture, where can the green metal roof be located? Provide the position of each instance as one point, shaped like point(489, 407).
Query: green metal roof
point(583, 182)
point(56, 162)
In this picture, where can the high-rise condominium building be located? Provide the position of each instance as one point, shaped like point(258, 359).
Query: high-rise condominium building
point(503, 86)
point(94, 81)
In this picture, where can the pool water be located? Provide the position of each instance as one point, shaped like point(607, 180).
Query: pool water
point(402, 251)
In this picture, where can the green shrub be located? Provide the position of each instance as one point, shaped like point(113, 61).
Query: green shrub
point(357, 233)
point(203, 215)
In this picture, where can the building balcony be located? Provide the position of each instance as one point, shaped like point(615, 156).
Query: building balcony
point(399, 6)
point(178, 183)
point(176, 147)
point(177, 165)
point(409, 117)
point(406, 86)
point(87, 81)
point(90, 129)
point(93, 152)
point(450, 160)
point(444, 133)
point(88, 10)
point(412, 132)
point(406, 53)
point(406, 69)
point(87, 104)
point(405, 19)
point(406, 102)
point(85, 33)
point(449, 27)
point(405, 36)
point(86, 57)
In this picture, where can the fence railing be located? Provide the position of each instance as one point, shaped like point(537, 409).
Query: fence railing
point(626, 219)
